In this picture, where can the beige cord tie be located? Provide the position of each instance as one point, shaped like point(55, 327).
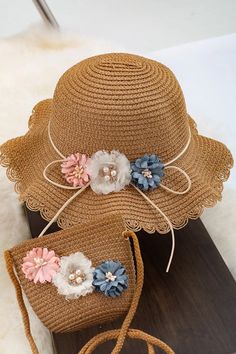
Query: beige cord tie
point(167, 165)
point(121, 334)
point(62, 208)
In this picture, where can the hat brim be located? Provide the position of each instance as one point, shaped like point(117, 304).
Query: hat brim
point(207, 162)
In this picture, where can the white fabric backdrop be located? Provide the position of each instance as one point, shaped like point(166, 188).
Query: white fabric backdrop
point(32, 62)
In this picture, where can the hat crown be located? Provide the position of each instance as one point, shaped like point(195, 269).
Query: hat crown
point(119, 102)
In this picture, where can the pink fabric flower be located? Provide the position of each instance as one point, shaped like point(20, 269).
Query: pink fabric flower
point(75, 169)
point(40, 265)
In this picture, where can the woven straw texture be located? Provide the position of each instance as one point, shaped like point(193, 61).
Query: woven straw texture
point(99, 241)
point(131, 104)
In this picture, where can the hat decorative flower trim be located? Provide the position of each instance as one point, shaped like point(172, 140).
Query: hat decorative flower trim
point(75, 169)
point(110, 278)
point(147, 171)
point(40, 265)
point(106, 172)
point(73, 275)
point(109, 172)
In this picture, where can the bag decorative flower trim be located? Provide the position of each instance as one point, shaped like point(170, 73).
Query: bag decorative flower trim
point(110, 278)
point(40, 265)
point(73, 275)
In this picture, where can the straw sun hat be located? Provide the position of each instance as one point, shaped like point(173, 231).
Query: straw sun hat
point(116, 137)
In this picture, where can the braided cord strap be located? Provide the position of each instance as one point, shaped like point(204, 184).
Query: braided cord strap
point(121, 334)
point(132, 334)
point(19, 296)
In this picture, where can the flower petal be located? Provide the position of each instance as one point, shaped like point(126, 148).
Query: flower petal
point(154, 168)
point(113, 281)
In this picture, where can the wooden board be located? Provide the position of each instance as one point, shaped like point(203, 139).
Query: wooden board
point(193, 308)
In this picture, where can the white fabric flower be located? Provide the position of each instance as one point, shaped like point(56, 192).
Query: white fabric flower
point(109, 172)
point(75, 276)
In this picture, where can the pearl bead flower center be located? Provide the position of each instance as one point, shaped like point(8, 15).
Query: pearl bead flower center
point(76, 277)
point(78, 171)
point(39, 262)
point(110, 276)
point(147, 173)
point(109, 173)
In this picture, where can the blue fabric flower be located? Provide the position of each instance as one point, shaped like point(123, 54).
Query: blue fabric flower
point(147, 171)
point(110, 278)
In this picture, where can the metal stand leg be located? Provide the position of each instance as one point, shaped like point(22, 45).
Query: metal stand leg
point(46, 13)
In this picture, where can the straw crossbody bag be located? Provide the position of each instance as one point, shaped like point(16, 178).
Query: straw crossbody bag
point(80, 277)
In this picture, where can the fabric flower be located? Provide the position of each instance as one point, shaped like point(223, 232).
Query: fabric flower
point(74, 167)
point(110, 278)
point(75, 276)
point(147, 172)
point(109, 172)
point(40, 265)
